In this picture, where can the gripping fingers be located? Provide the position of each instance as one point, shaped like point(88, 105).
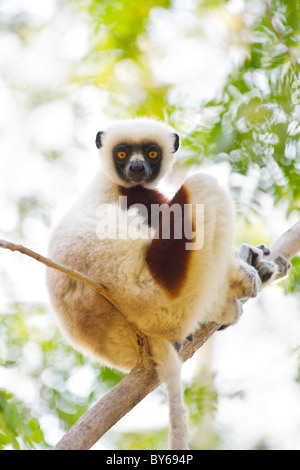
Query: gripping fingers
point(283, 265)
point(178, 345)
point(264, 249)
point(251, 254)
point(268, 270)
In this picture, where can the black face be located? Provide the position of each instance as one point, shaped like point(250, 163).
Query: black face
point(141, 171)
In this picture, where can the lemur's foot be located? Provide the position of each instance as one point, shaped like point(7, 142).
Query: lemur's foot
point(232, 311)
point(246, 282)
point(283, 265)
point(253, 272)
point(178, 345)
point(190, 337)
point(253, 255)
point(268, 270)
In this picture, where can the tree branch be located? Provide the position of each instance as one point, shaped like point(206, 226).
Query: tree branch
point(140, 381)
point(288, 244)
point(100, 288)
point(122, 398)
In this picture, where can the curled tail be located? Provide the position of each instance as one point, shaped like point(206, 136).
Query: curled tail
point(168, 366)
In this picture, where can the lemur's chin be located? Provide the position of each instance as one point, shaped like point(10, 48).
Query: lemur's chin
point(138, 180)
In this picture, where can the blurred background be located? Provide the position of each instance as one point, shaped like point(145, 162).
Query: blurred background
point(226, 75)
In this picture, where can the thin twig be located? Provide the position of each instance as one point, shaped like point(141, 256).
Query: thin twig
point(100, 288)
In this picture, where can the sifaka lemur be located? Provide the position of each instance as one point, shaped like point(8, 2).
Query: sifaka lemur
point(168, 270)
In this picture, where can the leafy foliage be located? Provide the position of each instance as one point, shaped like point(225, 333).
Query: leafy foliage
point(254, 122)
point(16, 424)
point(118, 62)
point(143, 440)
point(33, 343)
point(292, 283)
point(200, 399)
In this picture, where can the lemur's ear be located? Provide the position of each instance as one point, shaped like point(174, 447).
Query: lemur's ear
point(176, 142)
point(98, 139)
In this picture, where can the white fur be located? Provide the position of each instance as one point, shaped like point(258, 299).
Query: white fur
point(91, 323)
point(126, 131)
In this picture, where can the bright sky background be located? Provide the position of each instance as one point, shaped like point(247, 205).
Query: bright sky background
point(253, 356)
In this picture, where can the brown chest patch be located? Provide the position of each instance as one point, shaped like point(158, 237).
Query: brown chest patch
point(167, 259)
point(145, 196)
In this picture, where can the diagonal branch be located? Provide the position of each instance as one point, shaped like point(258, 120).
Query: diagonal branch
point(100, 288)
point(122, 398)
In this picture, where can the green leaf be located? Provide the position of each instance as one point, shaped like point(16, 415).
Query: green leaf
point(16, 425)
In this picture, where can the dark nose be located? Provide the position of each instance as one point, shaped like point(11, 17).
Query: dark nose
point(137, 169)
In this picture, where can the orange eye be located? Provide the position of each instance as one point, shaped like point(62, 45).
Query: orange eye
point(122, 154)
point(152, 154)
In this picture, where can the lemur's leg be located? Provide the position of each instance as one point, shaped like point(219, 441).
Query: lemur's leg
point(232, 311)
point(244, 283)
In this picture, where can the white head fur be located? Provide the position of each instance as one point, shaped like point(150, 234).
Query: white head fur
point(136, 131)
